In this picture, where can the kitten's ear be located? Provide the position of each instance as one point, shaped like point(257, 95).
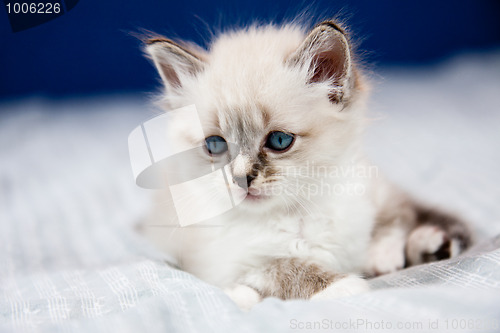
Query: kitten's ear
point(173, 61)
point(326, 54)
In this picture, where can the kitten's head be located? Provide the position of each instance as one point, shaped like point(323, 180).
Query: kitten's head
point(285, 98)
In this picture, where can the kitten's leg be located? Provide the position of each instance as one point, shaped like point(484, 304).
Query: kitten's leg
point(394, 220)
point(386, 253)
point(407, 233)
point(346, 286)
point(244, 296)
point(437, 236)
point(429, 243)
point(293, 278)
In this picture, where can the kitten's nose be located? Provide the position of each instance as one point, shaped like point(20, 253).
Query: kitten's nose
point(244, 182)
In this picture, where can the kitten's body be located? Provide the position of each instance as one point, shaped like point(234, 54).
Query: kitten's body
point(295, 244)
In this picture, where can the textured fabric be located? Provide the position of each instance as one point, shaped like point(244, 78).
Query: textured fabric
point(71, 261)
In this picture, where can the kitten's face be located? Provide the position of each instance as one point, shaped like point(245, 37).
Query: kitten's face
point(263, 117)
point(277, 141)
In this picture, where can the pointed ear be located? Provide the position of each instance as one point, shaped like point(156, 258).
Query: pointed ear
point(173, 61)
point(326, 54)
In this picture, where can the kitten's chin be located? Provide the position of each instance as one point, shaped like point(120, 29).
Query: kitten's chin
point(256, 198)
point(254, 201)
point(258, 202)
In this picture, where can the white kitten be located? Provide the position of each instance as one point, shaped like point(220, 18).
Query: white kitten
point(316, 214)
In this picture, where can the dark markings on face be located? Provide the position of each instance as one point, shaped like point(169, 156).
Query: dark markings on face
point(263, 165)
point(266, 118)
point(247, 132)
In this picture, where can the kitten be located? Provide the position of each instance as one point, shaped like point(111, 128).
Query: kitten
point(284, 108)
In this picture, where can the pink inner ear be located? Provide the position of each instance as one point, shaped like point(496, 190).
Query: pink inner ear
point(330, 64)
point(170, 75)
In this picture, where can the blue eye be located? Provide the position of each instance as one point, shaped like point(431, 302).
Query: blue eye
point(216, 145)
point(279, 141)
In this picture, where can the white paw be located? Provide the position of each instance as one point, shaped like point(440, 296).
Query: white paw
point(427, 240)
point(387, 255)
point(244, 296)
point(348, 286)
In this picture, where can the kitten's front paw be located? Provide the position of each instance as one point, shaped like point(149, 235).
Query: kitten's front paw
point(430, 243)
point(350, 285)
point(244, 296)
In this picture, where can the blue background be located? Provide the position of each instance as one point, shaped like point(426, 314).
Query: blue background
point(90, 50)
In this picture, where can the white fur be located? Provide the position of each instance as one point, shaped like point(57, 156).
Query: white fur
point(244, 296)
point(425, 239)
point(244, 72)
point(348, 286)
point(386, 255)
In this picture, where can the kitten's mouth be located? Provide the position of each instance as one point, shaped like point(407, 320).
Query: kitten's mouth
point(255, 195)
point(251, 197)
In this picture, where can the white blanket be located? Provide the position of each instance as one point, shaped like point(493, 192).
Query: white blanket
point(70, 260)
